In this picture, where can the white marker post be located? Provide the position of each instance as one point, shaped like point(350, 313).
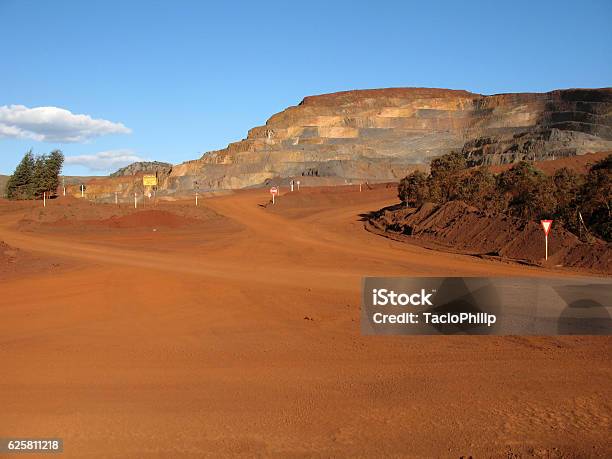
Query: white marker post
point(82, 188)
point(135, 202)
point(116, 200)
point(64, 185)
point(298, 185)
point(44, 199)
point(196, 187)
point(546, 224)
point(273, 192)
point(291, 183)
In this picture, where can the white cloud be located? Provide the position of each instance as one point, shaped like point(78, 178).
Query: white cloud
point(53, 124)
point(105, 161)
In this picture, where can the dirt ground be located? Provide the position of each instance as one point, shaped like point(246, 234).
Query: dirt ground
point(233, 330)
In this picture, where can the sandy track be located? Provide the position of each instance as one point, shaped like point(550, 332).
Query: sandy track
point(205, 350)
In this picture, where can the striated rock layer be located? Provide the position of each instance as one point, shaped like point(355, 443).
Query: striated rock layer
point(382, 134)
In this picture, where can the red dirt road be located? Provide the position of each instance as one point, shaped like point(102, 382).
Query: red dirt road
point(239, 336)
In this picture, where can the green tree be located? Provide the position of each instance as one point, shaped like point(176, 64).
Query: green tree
point(594, 201)
point(53, 167)
point(567, 188)
point(39, 178)
point(413, 189)
point(35, 175)
point(477, 188)
point(443, 175)
point(19, 185)
point(528, 192)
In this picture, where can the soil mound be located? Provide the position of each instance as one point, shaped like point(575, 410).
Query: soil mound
point(311, 200)
point(72, 215)
point(462, 228)
point(146, 219)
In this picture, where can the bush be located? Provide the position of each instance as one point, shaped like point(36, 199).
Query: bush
point(413, 189)
point(477, 188)
point(594, 199)
point(528, 192)
point(441, 181)
point(567, 184)
point(522, 191)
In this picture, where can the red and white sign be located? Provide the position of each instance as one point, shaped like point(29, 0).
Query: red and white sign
point(273, 190)
point(546, 224)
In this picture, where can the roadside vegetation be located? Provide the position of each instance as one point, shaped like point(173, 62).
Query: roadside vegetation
point(581, 202)
point(35, 175)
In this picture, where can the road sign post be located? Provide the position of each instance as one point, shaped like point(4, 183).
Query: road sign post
point(273, 192)
point(149, 180)
point(546, 224)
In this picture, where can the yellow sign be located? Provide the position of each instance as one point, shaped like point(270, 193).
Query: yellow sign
point(149, 180)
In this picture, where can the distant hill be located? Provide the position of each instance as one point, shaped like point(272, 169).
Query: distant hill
point(143, 167)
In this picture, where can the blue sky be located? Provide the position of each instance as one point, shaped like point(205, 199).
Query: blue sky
point(171, 80)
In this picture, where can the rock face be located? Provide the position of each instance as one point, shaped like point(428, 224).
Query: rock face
point(143, 167)
point(382, 134)
point(570, 122)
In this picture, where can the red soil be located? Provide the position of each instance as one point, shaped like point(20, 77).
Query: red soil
point(143, 219)
point(194, 343)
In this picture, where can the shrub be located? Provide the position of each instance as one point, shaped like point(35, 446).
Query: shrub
point(477, 188)
point(413, 189)
point(528, 192)
point(443, 171)
point(567, 184)
point(522, 191)
point(594, 200)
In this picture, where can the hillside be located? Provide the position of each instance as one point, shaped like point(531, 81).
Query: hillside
point(141, 167)
point(383, 133)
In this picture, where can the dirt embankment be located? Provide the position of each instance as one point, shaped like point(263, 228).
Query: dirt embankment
point(309, 201)
point(458, 227)
point(71, 213)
